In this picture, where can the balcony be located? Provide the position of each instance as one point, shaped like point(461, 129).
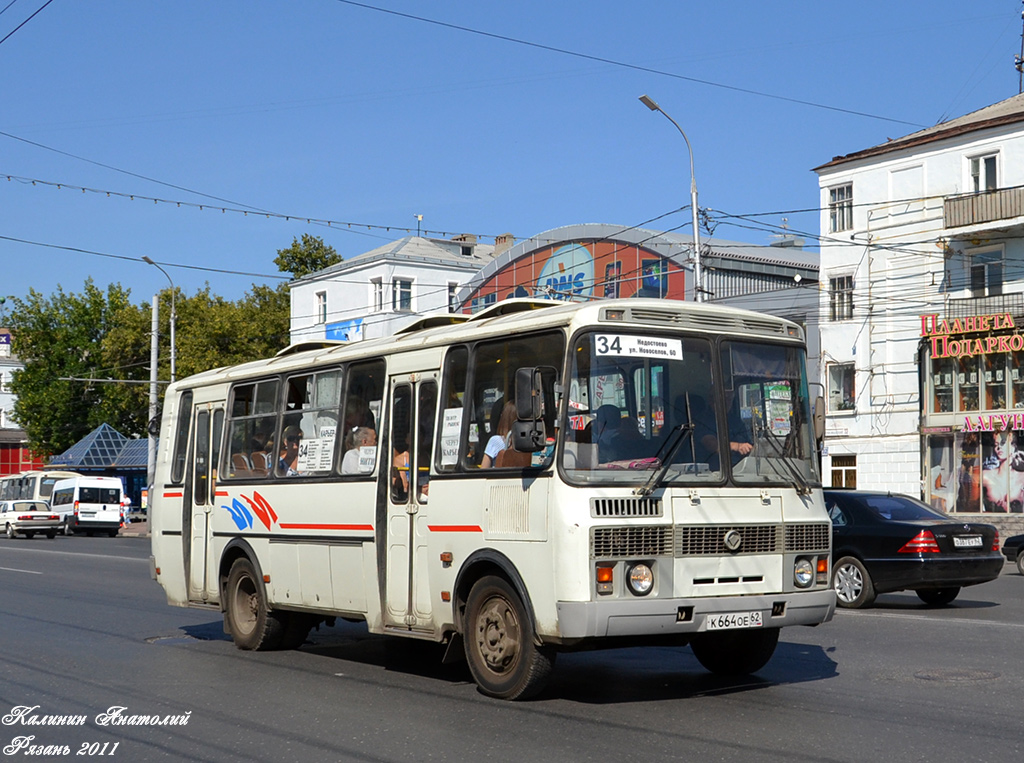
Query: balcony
point(985, 207)
point(1002, 303)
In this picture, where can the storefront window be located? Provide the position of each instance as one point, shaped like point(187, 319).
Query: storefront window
point(941, 480)
point(968, 477)
point(968, 384)
point(1017, 379)
point(942, 384)
point(995, 471)
point(995, 382)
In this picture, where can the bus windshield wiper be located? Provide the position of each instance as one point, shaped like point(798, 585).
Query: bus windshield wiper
point(671, 446)
point(803, 486)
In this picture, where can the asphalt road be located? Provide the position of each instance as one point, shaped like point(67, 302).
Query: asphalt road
point(84, 630)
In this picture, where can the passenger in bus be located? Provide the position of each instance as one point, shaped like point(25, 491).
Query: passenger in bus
point(357, 414)
point(358, 438)
point(617, 438)
point(500, 439)
point(740, 444)
point(288, 465)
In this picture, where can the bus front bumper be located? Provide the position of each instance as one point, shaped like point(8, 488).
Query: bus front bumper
point(666, 617)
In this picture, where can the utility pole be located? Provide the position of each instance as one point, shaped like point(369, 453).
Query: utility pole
point(154, 349)
point(1019, 59)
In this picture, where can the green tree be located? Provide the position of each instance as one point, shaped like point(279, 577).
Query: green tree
point(305, 257)
point(72, 344)
point(60, 341)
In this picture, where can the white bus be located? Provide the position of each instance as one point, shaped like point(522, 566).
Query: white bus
point(540, 476)
point(32, 486)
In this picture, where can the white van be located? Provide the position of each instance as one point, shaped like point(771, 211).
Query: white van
point(89, 504)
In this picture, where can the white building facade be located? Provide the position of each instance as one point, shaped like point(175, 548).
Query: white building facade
point(381, 291)
point(922, 314)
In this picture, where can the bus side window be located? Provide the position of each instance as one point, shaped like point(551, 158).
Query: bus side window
point(251, 430)
point(492, 372)
point(181, 437)
point(364, 392)
point(450, 442)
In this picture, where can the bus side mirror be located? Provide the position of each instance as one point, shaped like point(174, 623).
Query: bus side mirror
point(528, 435)
point(819, 418)
point(528, 393)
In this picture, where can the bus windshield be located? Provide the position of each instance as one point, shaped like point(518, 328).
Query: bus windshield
point(644, 405)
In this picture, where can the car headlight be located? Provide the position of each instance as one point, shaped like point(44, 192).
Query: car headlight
point(803, 573)
point(640, 579)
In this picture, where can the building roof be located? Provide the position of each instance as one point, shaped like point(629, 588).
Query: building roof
point(103, 448)
point(435, 251)
point(1005, 112)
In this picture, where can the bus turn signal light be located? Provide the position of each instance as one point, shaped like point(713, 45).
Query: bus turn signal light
point(605, 578)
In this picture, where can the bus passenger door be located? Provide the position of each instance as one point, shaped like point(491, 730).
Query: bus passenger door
point(206, 450)
point(408, 603)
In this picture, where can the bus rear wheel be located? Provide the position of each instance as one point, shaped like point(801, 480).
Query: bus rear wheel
point(736, 652)
point(253, 626)
point(504, 659)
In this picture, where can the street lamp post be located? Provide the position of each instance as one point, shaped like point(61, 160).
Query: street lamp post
point(698, 283)
point(174, 315)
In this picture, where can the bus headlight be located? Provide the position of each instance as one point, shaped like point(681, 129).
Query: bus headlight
point(640, 579)
point(803, 573)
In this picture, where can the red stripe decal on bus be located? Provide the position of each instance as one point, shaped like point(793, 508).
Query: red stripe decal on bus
point(455, 528)
point(221, 494)
point(173, 495)
point(368, 528)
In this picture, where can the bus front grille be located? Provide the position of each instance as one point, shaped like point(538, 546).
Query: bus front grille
point(809, 537)
point(625, 507)
point(631, 542)
point(715, 540)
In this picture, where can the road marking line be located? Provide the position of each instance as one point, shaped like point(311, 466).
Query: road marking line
point(897, 616)
point(77, 553)
point(14, 569)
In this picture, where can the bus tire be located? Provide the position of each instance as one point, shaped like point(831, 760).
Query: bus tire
point(735, 652)
point(251, 623)
point(500, 649)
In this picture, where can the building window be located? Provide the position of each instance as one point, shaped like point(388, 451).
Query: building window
point(377, 286)
point(401, 295)
point(453, 297)
point(983, 173)
point(844, 471)
point(840, 208)
point(841, 390)
point(987, 274)
point(321, 307)
point(840, 298)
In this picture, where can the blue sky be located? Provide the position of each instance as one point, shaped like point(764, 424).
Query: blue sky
point(330, 110)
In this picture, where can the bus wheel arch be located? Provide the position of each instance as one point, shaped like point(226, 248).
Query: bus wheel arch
point(480, 564)
point(496, 620)
point(248, 618)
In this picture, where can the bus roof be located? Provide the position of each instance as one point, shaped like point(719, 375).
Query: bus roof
point(518, 316)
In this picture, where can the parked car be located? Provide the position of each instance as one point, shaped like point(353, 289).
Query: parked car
point(28, 518)
point(883, 542)
point(1013, 550)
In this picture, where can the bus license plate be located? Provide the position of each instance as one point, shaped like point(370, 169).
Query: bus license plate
point(728, 620)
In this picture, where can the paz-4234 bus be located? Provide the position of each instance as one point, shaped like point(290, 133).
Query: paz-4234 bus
point(537, 477)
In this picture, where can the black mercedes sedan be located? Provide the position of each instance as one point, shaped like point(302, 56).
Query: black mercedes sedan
point(1013, 550)
point(884, 542)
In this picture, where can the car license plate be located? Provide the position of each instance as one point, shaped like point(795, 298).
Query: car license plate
point(728, 620)
point(967, 541)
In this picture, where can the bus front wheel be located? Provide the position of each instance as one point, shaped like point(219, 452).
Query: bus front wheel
point(735, 652)
point(504, 659)
point(251, 623)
